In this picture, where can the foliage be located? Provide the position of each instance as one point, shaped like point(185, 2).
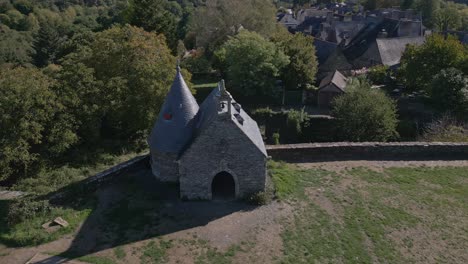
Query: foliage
point(449, 91)
point(115, 92)
point(197, 63)
point(162, 16)
point(29, 232)
point(447, 17)
point(446, 129)
point(215, 20)
point(428, 9)
point(259, 198)
point(28, 208)
point(296, 119)
point(46, 44)
point(378, 74)
point(252, 64)
point(15, 46)
point(302, 68)
point(34, 124)
point(364, 114)
point(276, 138)
point(420, 64)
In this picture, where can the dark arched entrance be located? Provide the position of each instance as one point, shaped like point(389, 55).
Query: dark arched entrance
point(223, 187)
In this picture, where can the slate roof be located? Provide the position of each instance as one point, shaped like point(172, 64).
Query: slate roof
point(323, 49)
point(209, 110)
point(288, 19)
point(391, 49)
point(336, 78)
point(362, 41)
point(172, 135)
point(347, 30)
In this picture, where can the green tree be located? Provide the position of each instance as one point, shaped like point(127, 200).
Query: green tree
point(252, 64)
point(447, 18)
point(46, 45)
point(15, 46)
point(116, 84)
point(420, 64)
point(303, 65)
point(33, 121)
point(428, 9)
point(161, 16)
point(364, 114)
point(216, 20)
point(449, 91)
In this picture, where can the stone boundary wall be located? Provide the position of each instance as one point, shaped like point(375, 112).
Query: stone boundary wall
point(109, 174)
point(369, 151)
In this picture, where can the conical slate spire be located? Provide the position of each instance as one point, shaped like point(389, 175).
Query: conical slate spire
point(175, 124)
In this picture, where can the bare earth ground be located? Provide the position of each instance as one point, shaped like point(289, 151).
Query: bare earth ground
point(211, 232)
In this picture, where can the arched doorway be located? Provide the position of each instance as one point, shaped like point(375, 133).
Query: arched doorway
point(223, 187)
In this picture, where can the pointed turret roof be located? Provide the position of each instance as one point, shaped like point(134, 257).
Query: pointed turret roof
point(175, 124)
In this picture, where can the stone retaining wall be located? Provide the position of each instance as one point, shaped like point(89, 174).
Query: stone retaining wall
point(108, 175)
point(369, 151)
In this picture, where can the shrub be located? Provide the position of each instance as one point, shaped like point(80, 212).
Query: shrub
point(446, 129)
point(449, 91)
point(364, 114)
point(27, 208)
point(276, 138)
point(259, 198)
point(296, 119)
point(378, 74)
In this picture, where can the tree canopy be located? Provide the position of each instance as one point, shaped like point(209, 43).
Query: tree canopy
point(216, 20)
point(119, 80)
point(252, 64)
point(302, 68)
point(33, 121)
point(419, 64)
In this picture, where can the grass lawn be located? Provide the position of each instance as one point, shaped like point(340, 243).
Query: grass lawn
point(397, 215)
point(29, 231)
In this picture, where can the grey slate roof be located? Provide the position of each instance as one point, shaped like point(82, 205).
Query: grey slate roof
point(391, 49)
point(209, 110)
point(288, 20)
point(323, 49)
point(336, 78)
point(172, 135)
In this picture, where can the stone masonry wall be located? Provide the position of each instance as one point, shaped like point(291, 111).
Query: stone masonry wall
point(369, 151)
point(165, 167)
point(221, 147)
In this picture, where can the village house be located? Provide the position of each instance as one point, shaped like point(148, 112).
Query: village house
point(212, 151)
point(330, 87)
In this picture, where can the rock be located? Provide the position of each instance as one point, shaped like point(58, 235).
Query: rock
point(55, 225)
point(60, 221)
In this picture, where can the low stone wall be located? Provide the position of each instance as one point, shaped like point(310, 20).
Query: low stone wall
point(369, 151)
point(107, 175)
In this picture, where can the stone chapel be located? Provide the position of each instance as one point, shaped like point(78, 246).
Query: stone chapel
point(214, 151)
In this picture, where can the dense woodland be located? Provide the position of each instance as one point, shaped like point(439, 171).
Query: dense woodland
point(83, 76)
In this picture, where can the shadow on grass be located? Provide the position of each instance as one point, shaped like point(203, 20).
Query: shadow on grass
point(138, 207)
